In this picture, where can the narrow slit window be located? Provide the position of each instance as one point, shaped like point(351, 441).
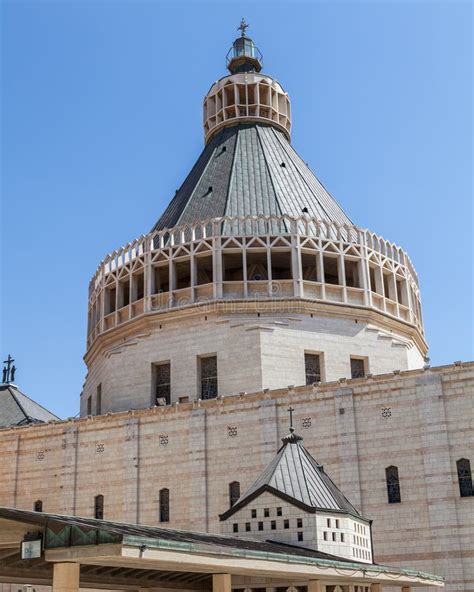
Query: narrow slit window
point(164, 501)
point(234, 492)
point(393, 485)
point(38, 506)
point(99, 507)
point(464, 477)
point(98, 401)
point(163, 383)
point(312, 364)
point(208, 377)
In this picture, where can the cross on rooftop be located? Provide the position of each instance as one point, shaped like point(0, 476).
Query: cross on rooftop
point(243, 27)
point(9, 370)
point(290, 411)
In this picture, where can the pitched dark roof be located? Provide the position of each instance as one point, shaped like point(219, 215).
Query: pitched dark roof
point(18, 409)
point(294, 475)
point(121, 530)
point(249, 170)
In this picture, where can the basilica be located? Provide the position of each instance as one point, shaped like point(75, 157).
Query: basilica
point(253, 316)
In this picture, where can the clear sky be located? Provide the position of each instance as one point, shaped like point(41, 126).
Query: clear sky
point(101, 121)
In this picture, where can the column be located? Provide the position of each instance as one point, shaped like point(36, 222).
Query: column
point(315, 586)
point(221, 583)
point(66, 577)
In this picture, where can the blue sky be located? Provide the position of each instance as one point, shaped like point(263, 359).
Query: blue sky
point(101, 121)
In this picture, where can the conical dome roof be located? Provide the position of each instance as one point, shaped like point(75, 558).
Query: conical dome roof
point(249, 170)
point(296, 476)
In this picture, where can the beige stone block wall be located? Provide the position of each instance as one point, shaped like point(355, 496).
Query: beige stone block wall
point(420, 421)
point(253, 353)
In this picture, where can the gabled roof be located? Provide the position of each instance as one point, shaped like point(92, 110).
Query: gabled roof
point(294, 475)
point(250, 170)
point(18, 409)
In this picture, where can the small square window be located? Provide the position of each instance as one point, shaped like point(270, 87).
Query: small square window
point(286, 524)
point(254, 513)
point(358, 368)
point(266, 512)
point(260, 526)
point(248, 528)
point(235, 527)
point(273, 525)
point(299, 523)
point(279, 512)
point(300, 536)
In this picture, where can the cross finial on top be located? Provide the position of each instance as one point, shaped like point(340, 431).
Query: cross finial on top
point(243, 27)
point(9, 370)
point(290, 411)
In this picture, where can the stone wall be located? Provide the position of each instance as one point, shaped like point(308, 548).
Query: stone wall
point(254, 351)
point(419, 421)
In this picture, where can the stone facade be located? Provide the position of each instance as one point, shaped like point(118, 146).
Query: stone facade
point(419, 421)
point(258, 346)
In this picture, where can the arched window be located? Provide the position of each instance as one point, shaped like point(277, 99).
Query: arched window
point(464, 477)
point(234, 492)
point(38, 506)
point(393, 485)
point(164, 505)
point(99, 507)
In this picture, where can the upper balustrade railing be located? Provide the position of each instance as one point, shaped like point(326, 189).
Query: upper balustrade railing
point(259, 226)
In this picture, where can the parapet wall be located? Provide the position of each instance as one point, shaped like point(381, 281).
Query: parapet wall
point(419, 421)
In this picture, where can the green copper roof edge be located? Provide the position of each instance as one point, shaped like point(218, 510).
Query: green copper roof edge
point(165, 544)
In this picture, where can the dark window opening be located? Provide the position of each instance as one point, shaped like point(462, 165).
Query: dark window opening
point(286, 524)
point(163, 383)
point(204, 270)
point(256, 267)
point(281, 265)
point(300, 536)
point(357, 368)
point(393, 485)
point(138, 286)
point(248, 526)
point(182, 270)
point(234, 492)
point(233, 267)
point(98, 401)
point(312, 364)
point(373, 283)
point(254, 513)
point(386, 286)
point(352, 274)
point(110, 300)
point(208, 377)
point(162, 279)
point(99, 507)
point(89, 405)
point(266, 512)
point(299, 523)
point(124, 293)
point(279, 512)
point(260, 526)
point(333, 536)
point(235, 527)
point(273, 524)
point(309, 267)
point(464, 477)
point(331, 275)
point(38, 506)
point(164, 501)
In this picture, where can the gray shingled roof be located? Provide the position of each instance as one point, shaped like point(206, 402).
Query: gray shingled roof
point(297, 477)
point(18, 409)
point(248, 170)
